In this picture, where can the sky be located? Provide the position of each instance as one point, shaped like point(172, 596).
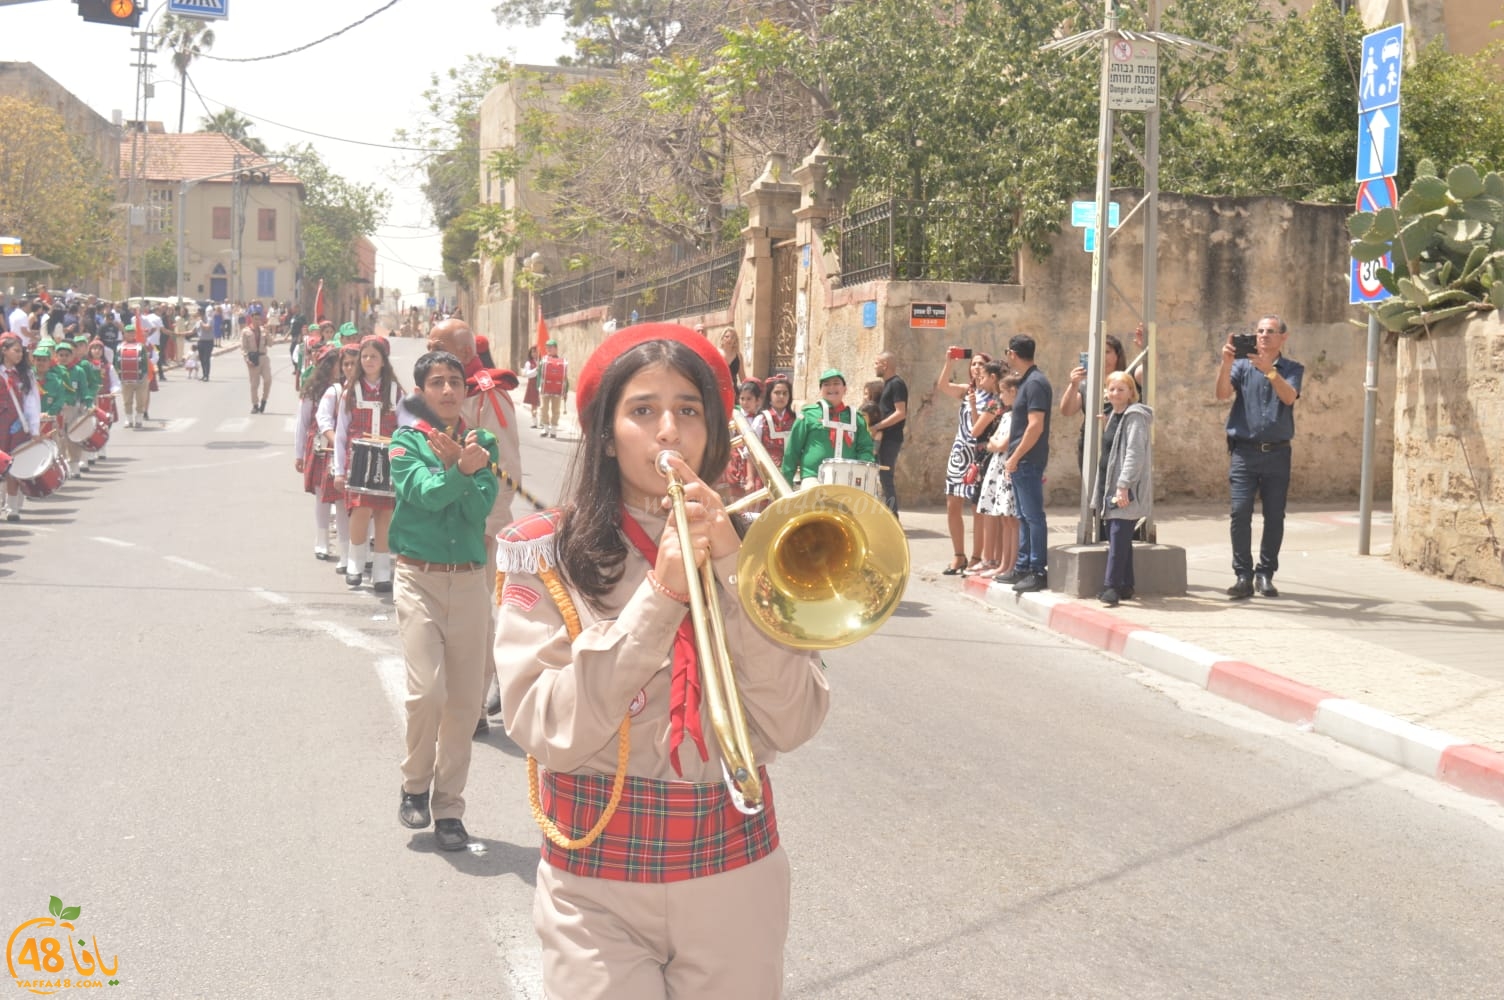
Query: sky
point(363, 85)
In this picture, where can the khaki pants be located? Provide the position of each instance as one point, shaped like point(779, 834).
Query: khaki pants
point(551, 408)
point(135, 397)
point(718, 937)
point(443, 619)
point(260, 372)
point(71, 451)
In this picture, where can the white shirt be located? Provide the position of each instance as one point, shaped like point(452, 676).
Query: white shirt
point(20, 323)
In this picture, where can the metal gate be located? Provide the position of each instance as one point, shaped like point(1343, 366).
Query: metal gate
point(785, 298)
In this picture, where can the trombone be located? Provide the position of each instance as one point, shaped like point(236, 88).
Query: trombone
point(818, 569)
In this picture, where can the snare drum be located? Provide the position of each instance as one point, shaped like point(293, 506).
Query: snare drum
point(849, 472)
point(38, 468)
point(370, 468)
point(89, 432)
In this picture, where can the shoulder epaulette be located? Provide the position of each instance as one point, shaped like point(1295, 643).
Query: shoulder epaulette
point(528, 543)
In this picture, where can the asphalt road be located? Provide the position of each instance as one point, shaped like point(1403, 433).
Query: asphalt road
point(199, 742)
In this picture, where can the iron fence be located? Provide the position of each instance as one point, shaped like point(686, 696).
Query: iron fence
point(704, 285)
point(939, 240)
point(585, 291)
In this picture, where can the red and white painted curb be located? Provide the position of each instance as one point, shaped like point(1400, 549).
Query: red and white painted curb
point(1474, 769)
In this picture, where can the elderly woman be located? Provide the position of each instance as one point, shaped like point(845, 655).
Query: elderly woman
point(1123, 491)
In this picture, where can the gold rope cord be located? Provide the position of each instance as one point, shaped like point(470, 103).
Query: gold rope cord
point(556, 590)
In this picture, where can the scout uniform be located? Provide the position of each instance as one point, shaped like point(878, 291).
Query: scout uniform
point(553, 386)
point(20, 420)
point(134, 366)
point(254, 341)
point(633, 911)
point(821, 433)
point(442, 598)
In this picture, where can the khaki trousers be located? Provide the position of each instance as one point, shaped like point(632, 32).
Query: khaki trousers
point(551, 408)
point(71, 451)
point(718, 937)
point(135, 397)
point(442, 619)
point(262, 373)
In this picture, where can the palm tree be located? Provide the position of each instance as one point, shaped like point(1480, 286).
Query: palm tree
point(235, 125)
point(188, 38)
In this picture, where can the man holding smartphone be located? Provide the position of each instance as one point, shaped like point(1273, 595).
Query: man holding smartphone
point(1263, 388)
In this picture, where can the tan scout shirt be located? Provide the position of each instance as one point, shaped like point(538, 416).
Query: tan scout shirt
point(477, 411)
point(563, 703)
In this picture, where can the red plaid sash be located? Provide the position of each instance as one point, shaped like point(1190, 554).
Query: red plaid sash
point(663, 831)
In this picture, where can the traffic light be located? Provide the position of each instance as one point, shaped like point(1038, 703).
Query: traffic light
point(122, 12)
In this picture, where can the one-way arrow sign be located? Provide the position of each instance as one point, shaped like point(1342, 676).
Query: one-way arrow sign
point(204, 10)
point(1378, 143)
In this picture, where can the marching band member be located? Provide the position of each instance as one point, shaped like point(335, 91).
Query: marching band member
point(446, 487)
point(347, 368)
point(827, 428)
point(487, 405)
point(54, 386)
point(368, 409)
point(134, 366)
point(106, 384)
point(312, 443)
point(75, 382)
point(598, 673)
point(553, 386)
point(20, 413)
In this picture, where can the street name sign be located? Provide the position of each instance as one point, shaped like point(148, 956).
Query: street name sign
point(1084, 214)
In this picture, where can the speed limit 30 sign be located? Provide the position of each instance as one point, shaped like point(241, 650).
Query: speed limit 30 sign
point(1373, 195)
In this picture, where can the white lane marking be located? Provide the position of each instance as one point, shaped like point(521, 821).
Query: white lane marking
point(233, 425)
point(391, 670)
point(269, 596)
point(190, 564)
point(114, 541)
point(178, 425)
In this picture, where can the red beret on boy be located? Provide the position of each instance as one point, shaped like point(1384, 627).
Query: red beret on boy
point(629, 337)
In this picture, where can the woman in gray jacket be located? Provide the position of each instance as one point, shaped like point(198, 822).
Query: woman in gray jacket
point(1123, 490)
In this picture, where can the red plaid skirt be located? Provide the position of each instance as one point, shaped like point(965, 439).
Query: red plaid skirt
point(663, 831)
point(369, 501)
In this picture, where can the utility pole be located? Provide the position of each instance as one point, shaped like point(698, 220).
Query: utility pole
point(142, 67)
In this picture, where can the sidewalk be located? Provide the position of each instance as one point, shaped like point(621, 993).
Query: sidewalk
point(1402, 665)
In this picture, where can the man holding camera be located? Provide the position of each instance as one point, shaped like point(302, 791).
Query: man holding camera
point(253, 344)
point(1263, 385)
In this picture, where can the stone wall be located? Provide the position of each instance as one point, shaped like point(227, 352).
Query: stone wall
point(1449, 451)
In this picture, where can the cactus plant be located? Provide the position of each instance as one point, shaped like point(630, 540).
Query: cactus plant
point(1448, 242)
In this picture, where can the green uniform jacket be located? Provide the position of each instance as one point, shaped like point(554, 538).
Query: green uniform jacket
point(441, 513)
point(57, 391)
point(809, 442)
point(92, 381)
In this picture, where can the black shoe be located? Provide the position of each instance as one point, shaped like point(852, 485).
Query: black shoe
point(1109, 598)
point(352, 579)
point(254, 408)
point(381, 587)
point(1241, 589)
point(413, 813)
point(12, 517)
point(1029, 583)
point(1264, 584)
point(482, 728)
point(451, 835)
point(1012, 576)
point(1125, 593)
point(493, 699)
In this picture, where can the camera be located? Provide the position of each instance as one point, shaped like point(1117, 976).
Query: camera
point(1244, 345)
point(958, 353)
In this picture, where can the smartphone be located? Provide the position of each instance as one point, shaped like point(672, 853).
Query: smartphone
point(958, 353)
point(1082, 362)
point(1245, 345)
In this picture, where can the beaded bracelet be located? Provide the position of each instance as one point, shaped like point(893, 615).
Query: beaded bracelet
point(671, 595)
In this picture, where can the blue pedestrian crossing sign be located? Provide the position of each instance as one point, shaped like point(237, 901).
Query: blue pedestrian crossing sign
point(204, 10)
point(1383, 65)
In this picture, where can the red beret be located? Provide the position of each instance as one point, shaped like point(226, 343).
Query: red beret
point(481, 343)
point(627, 338)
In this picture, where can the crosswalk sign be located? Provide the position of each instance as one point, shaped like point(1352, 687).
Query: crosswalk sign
point(204, 10)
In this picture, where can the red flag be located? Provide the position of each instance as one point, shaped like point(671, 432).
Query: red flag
point(542, 333)
point(318, 303)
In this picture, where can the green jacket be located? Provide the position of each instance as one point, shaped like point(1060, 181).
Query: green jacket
point(91, 381)
point(441, 513)
point(56, 390)
point(809, 442)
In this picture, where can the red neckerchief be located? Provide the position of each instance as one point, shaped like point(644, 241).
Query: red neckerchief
point(429, 430)
point(479, 379)
point(684, 693)
point(835, 415)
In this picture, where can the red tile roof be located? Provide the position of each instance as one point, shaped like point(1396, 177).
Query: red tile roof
point(183, 156)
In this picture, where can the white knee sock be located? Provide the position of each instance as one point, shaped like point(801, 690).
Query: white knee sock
point(381, 568)
point(355, 564)
point(342, 532)
point(320, 526)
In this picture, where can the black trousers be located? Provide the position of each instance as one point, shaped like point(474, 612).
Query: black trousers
point(205, 357)
point(1264, 475)
point(887, 457)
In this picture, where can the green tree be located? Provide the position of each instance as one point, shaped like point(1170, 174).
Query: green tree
point(237, 126)
point(54, 195)
point(188, 38)
point(162, 269)
point(336, 213)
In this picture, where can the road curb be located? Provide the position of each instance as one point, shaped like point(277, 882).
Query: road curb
point(1469, 767)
